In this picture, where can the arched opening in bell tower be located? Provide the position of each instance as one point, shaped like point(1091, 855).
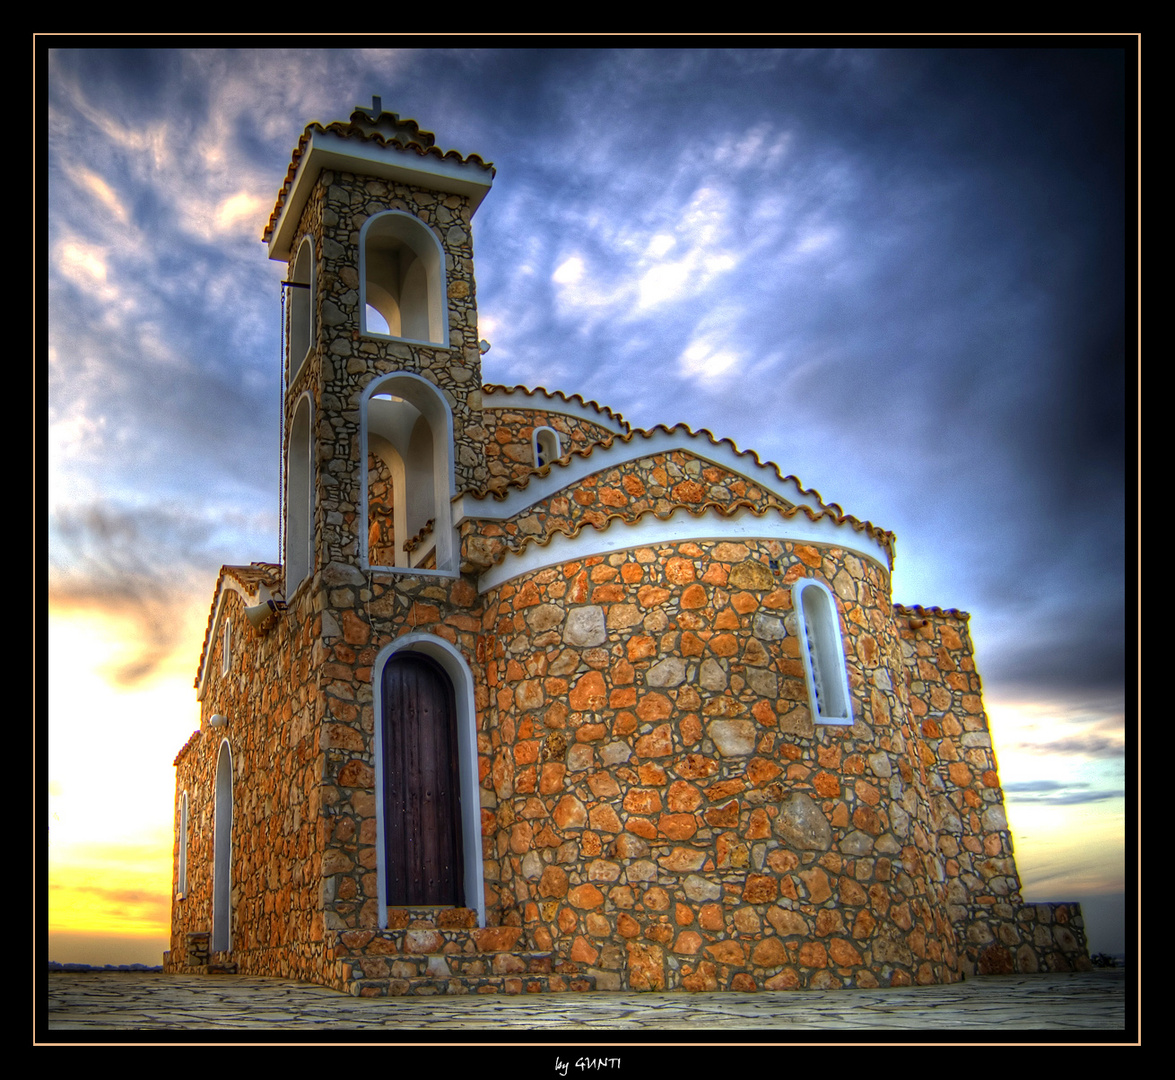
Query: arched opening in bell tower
point(407, 476)
point(402, 272)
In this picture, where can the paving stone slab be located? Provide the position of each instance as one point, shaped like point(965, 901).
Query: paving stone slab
point(102, 1001)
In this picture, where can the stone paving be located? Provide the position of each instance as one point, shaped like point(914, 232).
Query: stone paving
point(1079, 1004)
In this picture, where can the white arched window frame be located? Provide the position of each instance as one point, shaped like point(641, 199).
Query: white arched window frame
point(406, 419)
point(546, 445)
point(402, 278)
point(301, 309)
point(222, 849)
point(181, 873)
point(299, 497)
point(822, 647)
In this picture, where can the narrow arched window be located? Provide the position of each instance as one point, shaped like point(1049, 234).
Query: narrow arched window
point(299, 500)
point(226, 647)
point(181, 874)
point(546, 445)
point(222, 846)
point(301, 309)
point(822, 648)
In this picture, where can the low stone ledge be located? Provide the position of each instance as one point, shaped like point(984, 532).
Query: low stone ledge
point(1023, 939)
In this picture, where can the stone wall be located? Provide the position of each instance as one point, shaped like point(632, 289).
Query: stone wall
point(1006, 939)
point(956, 756)
point(381, 527)
point(658, 809)
point(349, 362)
point(509, 452)
point(658, 484)
point(666, 814)
point(998, 932)
point(270, 697)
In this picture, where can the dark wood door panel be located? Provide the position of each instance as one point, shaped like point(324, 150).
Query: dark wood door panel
point(422, 810)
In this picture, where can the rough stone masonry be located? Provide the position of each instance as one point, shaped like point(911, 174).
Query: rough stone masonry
point(646, 798)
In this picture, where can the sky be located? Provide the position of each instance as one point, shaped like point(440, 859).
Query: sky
point(899, 274)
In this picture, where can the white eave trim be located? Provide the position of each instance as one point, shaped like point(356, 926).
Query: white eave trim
point(326, 150)
point(682, 526)
point(250, 598)
point(622, 451)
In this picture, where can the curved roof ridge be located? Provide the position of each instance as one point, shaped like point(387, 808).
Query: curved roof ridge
point(351, 129)
point(500, 491)
point(715, 441)
point(573, 399)
point(724, 509)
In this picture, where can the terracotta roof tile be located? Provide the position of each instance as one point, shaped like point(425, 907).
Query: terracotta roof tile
point(499, 491)
point(918, 611)
point(192, 740)
point(404, 135)
point(695, 510)
point(573, 399)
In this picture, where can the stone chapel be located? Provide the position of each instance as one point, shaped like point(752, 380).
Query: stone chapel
point(540, 701)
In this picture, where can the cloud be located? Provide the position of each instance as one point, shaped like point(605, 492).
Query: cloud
point(75, 904)
point(663, 283)
point(569, 272)
point(138, 565)
point(1091, 744)
point(585, 290)
point(85, 265)
point(1056, 793)
point(240, 212)
point(708, 360)
point(152, 144)
point(1053, 726)
point(759, 147)
point(94, 185)
point(122, 553)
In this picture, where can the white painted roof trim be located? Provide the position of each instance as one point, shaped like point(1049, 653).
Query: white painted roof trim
point(651, 530)
point(516, 398)
point(328, 150)
point(641, 445)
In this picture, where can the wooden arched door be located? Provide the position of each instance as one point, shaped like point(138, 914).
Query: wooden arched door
point(421, 789)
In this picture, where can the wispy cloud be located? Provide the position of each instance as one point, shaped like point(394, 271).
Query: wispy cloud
point(92, 184)
point(140, 565)
point(1059, 794)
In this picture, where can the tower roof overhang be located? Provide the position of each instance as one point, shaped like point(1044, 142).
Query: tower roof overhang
point(339, 147)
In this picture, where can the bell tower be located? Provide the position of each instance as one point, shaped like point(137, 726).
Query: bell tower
point(382, 369)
